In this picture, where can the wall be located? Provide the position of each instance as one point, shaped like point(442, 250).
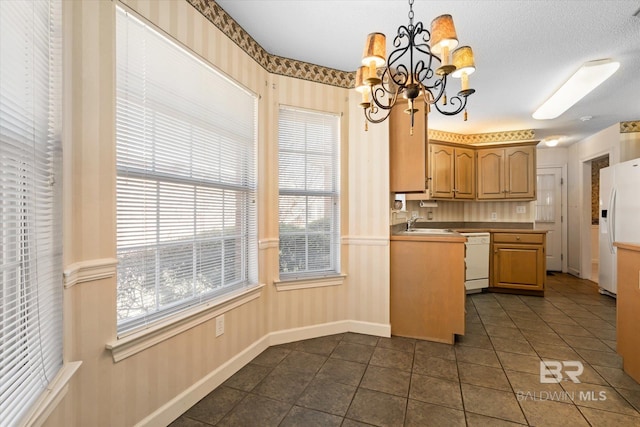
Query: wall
point(605, 142)
point(474, 211)
point(158, 383)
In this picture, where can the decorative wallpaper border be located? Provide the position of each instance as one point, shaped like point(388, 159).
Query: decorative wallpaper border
point(272, 63)
point(483, 138)
point(630, 127)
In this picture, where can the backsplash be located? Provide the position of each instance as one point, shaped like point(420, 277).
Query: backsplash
point(469, 212)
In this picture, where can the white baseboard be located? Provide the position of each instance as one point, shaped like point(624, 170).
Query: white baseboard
point(574, 272)
point(171, 410)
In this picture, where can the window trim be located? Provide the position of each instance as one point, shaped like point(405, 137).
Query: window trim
point(135, 341)
point(51, 396)
point(310, 281)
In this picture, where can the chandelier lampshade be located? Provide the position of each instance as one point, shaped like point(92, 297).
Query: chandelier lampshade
point(374, 55)
point(464, 63)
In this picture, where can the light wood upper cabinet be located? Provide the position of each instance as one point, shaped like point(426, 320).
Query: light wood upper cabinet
point(452, 172)
point(520, 172)
point(507, 173)
point(441, 172)
point(434, 170)
point(464, 173)
point(491, 173)
point(407, 153)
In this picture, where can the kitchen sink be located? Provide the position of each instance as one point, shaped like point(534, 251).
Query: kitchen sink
point(431, 231)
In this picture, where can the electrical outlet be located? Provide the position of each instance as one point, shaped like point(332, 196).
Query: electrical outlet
point(430, 216)
point(494, 216)
point(220, 325)
point(520, 209)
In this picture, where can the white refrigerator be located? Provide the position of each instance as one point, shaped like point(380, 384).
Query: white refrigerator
point(619, 217)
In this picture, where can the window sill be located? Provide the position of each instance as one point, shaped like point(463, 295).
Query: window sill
point(52, 395)
point(138, 341)
point(309, 282)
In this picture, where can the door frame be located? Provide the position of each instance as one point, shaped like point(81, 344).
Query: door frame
point(585, 209)
point(563, 211)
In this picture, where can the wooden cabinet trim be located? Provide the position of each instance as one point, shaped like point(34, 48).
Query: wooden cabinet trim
point(524, 238)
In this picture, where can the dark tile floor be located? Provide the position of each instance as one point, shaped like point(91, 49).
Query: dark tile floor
point(490, 377)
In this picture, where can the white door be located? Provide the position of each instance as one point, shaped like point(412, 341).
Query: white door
point(549, 213)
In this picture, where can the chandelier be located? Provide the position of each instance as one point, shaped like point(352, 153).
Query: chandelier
point(410, 70)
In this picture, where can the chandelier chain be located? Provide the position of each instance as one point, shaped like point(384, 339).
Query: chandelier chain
point(411, 13)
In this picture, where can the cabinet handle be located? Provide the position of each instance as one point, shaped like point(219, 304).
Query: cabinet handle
point(517, 237)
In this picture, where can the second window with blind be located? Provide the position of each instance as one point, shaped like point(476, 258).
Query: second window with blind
point(309, 194)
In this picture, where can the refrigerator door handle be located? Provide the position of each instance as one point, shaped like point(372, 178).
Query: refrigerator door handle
point(611, 222)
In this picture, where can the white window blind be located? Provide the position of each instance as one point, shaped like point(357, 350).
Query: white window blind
point(309, 200)
point(186, 160)
point(30, 195)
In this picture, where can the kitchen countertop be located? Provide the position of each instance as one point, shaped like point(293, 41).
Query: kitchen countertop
point(498, 230)
point(426, 237)
point(628, 246)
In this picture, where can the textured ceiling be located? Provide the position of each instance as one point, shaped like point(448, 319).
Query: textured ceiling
point(524, 51)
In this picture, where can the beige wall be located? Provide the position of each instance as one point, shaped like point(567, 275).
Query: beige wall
point(475, 211)
point(165, 379)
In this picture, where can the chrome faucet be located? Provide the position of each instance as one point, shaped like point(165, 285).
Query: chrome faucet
point(411, 222)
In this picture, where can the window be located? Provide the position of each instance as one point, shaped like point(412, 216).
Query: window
point(309, 201)
point(30, 208)
point(186, 189)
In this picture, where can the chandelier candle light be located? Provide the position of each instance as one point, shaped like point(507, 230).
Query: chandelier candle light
point(410, 70)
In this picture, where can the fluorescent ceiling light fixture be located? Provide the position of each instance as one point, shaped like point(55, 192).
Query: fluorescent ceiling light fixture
point(586, 79)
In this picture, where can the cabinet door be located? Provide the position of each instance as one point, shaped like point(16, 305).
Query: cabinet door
point(520, 173)
point(465, 174)
point(407, 153)
point(491, 173)
point(441, 172)
point(518, 266)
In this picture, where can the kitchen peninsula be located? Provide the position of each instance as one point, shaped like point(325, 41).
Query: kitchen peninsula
point(428, 273)
point(427, 285)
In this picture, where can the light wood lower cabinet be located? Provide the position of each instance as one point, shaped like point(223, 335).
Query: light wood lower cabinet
point(427, 289)
point(628, 308)
point(518, 261)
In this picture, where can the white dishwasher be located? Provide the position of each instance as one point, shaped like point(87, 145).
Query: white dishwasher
point(476, 260)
